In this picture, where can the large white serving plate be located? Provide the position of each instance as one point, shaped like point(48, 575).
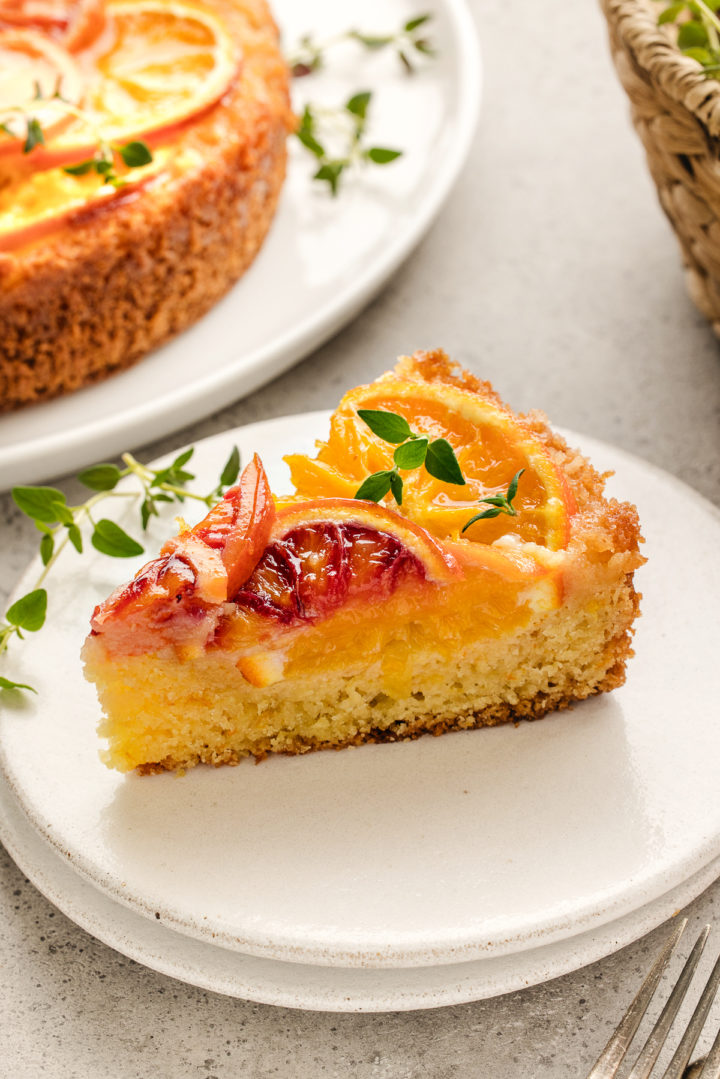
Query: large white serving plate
point(316, 988)
point(322, 262)
point(474, 845)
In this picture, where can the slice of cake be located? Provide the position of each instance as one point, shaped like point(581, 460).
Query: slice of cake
point(481, 577)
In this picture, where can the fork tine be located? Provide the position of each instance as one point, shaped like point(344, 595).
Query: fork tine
point(651, 1050)
point(612, 1055)
point(712, 1061)
point(687, 1043)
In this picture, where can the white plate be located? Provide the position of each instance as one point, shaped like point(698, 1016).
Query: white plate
point(315, 988)
point(322, 262)
point(473, 845)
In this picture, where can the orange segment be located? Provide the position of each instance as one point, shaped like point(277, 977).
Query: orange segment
point(491, 445)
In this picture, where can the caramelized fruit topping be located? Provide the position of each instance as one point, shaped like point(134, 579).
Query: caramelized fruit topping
point(315, 568)
point(490, 443)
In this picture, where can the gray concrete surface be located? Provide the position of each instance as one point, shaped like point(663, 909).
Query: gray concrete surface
point(552, 272)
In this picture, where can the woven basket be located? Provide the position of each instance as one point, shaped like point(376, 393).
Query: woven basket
point(676, 112)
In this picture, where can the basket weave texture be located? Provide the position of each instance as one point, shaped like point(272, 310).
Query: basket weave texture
point(676, 112)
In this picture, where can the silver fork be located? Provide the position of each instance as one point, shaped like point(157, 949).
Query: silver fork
point(608, 1065)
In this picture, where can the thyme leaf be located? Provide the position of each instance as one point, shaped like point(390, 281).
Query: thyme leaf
point(498, 503)
point(412, 451)
point(316, 127)
point(332, 164)
point(311, 53)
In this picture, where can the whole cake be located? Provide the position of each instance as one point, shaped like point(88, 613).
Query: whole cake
point(142, 152)
point(444, 564)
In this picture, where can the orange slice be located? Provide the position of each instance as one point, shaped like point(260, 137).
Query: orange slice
point(439, 564)
point(323, 553)
point(490, 444)
point(169, 61)
point(35, 206)
point(168, 64)
point(29, 62)
point(74, 23)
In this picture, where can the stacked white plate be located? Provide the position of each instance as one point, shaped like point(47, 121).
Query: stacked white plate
point(395, 876)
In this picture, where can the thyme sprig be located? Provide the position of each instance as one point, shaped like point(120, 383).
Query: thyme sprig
point(133, 154)
point(412, 451)
point(406, 42)
point(415, 451)
point(353, 117)
point(698, 31)
point(498, 503)
point(62, 524)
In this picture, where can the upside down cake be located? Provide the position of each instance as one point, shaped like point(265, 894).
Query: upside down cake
point(326, 620)
point(142, 152)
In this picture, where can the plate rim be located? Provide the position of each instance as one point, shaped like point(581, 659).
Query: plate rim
point(464, 982)
point(22, 462)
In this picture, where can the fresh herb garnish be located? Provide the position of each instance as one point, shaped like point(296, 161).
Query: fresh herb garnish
point(498, 503)
point(412, 451)
point(133, 154)
point(319, 125)
point(698, 34)
point(352, 117)
point(406, 42)
point(61, 524)
point(33, 135)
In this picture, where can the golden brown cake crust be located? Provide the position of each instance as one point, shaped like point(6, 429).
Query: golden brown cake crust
point(96, 295)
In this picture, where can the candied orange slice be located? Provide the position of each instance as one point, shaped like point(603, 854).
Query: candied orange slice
point(74, 23)
point(167, 64)
point(36, 205)
point(491, 446)
point(30, 62)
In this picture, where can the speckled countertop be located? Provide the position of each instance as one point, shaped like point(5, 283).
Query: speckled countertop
point(552, 272)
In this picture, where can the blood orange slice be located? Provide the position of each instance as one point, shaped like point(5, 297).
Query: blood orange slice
point(325, 552)
point(491, 446)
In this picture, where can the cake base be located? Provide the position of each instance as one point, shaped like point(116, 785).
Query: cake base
point(206, 709)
